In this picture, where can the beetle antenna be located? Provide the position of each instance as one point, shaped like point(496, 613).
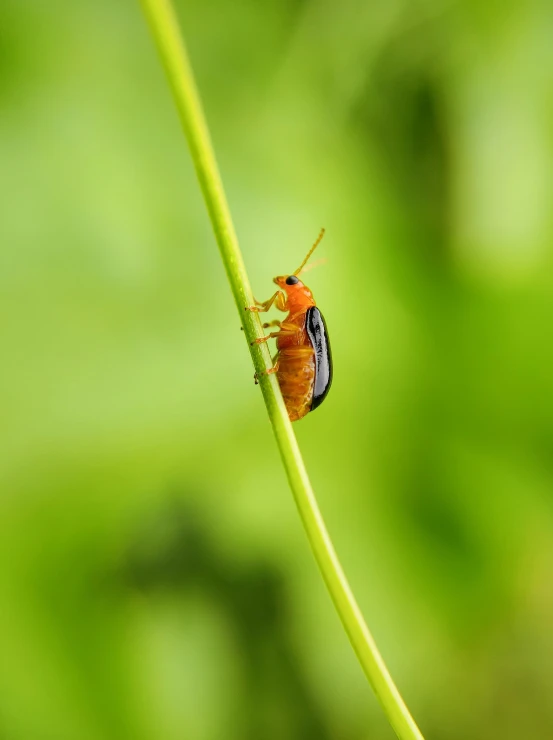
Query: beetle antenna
point(317, 263)
point(313, 248)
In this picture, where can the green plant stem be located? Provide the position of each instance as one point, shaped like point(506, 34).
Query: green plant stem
point(164, 27)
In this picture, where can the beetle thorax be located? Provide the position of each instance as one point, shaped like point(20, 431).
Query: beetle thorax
point(300, 298)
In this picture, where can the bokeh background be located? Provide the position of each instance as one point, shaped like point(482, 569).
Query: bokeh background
point(155, 582)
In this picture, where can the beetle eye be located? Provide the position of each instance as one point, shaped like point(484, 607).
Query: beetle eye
point(292, 280)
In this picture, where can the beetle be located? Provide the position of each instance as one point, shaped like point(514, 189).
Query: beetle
point(303, 363)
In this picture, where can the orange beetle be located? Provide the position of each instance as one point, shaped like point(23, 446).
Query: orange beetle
point(303, 363)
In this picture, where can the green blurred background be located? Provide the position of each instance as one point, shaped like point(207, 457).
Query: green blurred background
point(155, 582)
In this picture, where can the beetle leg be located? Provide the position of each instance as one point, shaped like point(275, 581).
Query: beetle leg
point(266, 338)
point(270, 371)
point(286, 330)
point(263, 306)
point(273, 334)
point(278, 298)
point(268, 324)
point(281, 302)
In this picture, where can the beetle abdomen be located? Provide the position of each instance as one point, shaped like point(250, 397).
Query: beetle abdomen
point(296, 377)
point(316, 330)
point(304, 363)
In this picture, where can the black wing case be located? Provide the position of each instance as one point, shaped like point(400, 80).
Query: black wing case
point(318, 335)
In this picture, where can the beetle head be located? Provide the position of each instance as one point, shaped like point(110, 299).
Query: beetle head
point(298, 295)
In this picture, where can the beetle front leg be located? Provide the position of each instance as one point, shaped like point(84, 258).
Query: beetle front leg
point(278, 298)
